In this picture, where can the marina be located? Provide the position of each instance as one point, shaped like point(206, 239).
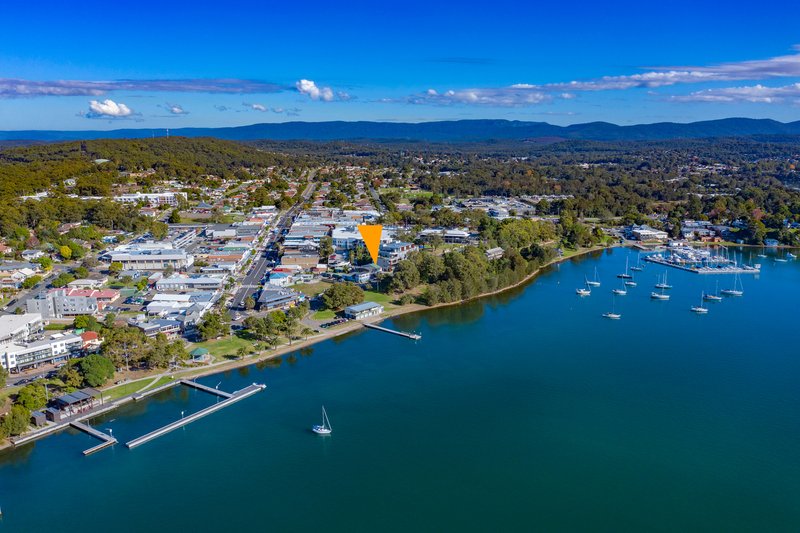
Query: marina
point(700, 261)
point(233, 398)
point(107, 440)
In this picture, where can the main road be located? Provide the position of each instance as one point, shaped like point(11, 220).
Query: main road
point(263, 255)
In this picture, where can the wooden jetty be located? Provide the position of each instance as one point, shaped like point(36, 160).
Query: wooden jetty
point(107, 440)
point(229, 400)
point(206, 388)
point(412, 336)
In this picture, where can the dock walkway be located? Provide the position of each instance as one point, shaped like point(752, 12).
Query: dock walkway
point(107, 440)
point(412, 336)
point(206, 388)
point(229, 400)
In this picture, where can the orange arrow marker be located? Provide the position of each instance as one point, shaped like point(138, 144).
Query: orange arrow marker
point(372, 238)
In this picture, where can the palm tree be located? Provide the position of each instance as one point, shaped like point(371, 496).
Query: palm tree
point(305, 332)
point(241, 352)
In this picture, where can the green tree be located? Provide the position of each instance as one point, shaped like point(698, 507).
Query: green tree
point(70, 375)
point(175, 217)
point(46, 263)
point(66, 252)
point(16, 422)
point(115, 268)
point(341, 295)
point(81, 272)
point(325, 247)
point(249, 303)
point(32, 396)
point(96, 370)
point(31, 282)
point(3, 376)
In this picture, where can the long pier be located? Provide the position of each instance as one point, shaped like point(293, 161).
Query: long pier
point(231, 399)
point(206, 388)
point(412, 336)
point(107, 440)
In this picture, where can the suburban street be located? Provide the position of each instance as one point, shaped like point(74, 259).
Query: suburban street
point(264, 255)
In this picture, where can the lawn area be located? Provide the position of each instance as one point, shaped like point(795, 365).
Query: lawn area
point(225, 346)
point(125, 389)
point(325, 314)
point(161, 381)
point(378, 297)
point(311, 289)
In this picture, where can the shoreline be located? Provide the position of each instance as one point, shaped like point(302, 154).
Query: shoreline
point(355, 325)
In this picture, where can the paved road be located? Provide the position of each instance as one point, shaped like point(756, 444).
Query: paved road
point(263, 256)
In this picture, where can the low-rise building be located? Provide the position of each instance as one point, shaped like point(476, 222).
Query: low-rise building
point(60, 303)
point(271, 299)
point(494, 253)
point(152, 199)
point(363, 310)
point(196, 283)
point(394, 252)
point(61, 346)
point(18, 329)
point(153, 259)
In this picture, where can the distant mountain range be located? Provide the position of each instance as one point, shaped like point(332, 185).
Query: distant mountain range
point(443, 131)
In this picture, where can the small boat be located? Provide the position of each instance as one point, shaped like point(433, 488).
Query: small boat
point(630, 283)
point(613, 315)
point(324, 428)
point(595, 282)
point(659, 295)
point(781, 260)
point(583, 292)
point(663, 284)
point(699, 308)
point(625, 274)
point(713, 297)
point(621, 291)
point(790, 255)
point(737, 289)
point(638, 266)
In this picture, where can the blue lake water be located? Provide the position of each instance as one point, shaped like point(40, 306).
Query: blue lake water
point(525, 411)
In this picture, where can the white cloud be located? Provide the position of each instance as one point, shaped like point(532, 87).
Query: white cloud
point(21, 88)
point(256, 107)
point(512, 96)
point(308, 87)
point(176, 109)
point(753, 94)
point(108, 109)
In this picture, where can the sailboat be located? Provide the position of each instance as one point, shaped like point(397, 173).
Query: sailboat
point(638, 266)
point(621, 291)
point(737, 289)
point(630, 282)
point(613, 315)
point(763, 253)
point(625, 274)
point(713, 297)
point(325, 428)
point(663, 284)
point(584, 291)
point(595, 282)
point(699, 308)
point(790, 255)
point(659, 295)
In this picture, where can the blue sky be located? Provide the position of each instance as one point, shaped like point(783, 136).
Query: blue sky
point(88, 65)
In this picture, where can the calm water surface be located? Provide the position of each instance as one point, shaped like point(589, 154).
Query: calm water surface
point(525, 412)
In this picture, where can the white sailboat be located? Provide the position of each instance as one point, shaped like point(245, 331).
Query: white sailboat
point(737, 289)
point(324, 428)
point(595, 282)
point(699, 308)
point(622, 291)
point(790, 255)
point(613, 315)
point(663, 284)
point(659, 295)
point(713, 297)
point(625, 274)
point(763, 253)
point(584, 291)
point(630, 282)
point(638, 266)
